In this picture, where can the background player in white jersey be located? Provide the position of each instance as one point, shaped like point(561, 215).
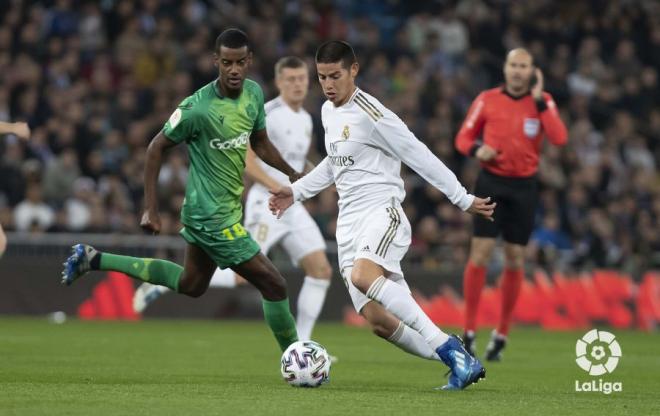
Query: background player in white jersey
point(289, 128)
point(366, 144)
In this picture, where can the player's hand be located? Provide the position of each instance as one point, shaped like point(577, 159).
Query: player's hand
point(485, 153)
point(280, 199)
point(150, 221)
point(537, 89)
point(482, 207)
point(22, 130)
point(295, 176)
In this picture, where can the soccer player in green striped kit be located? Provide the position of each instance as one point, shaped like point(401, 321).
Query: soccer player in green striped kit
point(216, 123)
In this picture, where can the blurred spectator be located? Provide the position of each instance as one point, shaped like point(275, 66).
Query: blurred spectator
point(96, 80)
point(33, 214)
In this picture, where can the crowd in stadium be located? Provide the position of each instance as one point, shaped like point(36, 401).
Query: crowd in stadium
point(96, 80)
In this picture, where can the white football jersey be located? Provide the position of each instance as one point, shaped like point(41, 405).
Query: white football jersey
point(366, 143)
point(291, 133)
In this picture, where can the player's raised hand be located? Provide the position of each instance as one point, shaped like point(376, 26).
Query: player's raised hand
point(482, 207)
point(150, 221)
point(280, 199)
point(537, 88)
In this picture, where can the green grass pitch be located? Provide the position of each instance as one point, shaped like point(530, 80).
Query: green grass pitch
point(232, 368)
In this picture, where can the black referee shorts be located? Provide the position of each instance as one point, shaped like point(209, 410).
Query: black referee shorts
point(516, 199)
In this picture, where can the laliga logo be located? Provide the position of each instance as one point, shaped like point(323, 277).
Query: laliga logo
point(598, 353)
point(591, 352)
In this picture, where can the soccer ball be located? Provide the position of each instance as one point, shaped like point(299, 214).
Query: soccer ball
point(305, 364)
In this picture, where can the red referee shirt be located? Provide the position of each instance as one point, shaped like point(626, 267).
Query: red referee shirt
point(514, 126)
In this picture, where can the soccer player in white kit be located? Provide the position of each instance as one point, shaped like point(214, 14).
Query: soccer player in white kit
point(366, 144)
point(289, 128)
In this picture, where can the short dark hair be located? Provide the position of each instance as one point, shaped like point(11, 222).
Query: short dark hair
point(288, 62)
point(336, 51)
point(232, 38)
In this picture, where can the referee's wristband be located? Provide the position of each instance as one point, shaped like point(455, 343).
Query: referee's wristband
point(473, 149)
point(541, 106)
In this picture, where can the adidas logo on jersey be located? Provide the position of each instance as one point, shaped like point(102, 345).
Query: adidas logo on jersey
point(365, 248)
point(220, 144)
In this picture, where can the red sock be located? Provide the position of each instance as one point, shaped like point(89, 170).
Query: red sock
point(511, 282)
point(474, 278)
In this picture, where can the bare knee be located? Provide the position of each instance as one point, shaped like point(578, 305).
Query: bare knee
point(317, 265)
point(192, 287)
point(514, 256)
point(481, 250)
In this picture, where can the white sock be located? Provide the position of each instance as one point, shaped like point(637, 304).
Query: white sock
point(396, 299)
point(310, 303)
point(223, 278)
point(411, 342)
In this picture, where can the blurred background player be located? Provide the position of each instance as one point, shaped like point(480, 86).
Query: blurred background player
point(215, 123)
point(21, 130)
point(366, 143)
point(513, 120)
point(290, 130)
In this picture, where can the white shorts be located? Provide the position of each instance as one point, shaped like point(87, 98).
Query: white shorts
point(381, 235)
point(296, 231)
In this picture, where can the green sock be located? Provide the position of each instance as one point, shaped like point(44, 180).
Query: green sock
point(279, 319)
point(156, 271)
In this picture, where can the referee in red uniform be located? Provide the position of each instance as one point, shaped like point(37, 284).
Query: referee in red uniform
point(512, 121)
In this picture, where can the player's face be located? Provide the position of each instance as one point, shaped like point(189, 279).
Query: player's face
point(293, 84)
point(337, 82)
point(518, 70)
point(232, 66)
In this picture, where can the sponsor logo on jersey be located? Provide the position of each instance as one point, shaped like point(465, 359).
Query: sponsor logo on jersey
point(341, 161)
point(221, 144)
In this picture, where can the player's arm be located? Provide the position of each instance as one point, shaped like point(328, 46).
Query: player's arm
point(552, 124)
point(466, 139)
point(265, 150)
point(20, 129)
point(304, 188)
point(180, 127)
point(256, 173)
point(150, 218)
point(391, 134)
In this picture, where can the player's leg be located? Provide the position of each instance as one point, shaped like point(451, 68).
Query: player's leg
point(313, 291)
point(380, 244)
point(483, 241)
point(384, 324)
point(3, 242)
point(370, 279)
point(474, 279)
point(261, 273)
point(517, 226)
point(190, 280)
point(305, 246)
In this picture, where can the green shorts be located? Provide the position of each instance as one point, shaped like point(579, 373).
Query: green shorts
point(228, 247)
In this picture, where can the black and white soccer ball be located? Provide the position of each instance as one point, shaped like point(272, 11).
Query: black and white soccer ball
point(305, 364)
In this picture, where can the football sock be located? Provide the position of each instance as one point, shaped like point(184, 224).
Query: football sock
point(411, 342)
point(279, 319)
point(310, 302)
point(474, 278)
point(396, 299)
point(154, 271)
point(511, 281)
point(223, 278)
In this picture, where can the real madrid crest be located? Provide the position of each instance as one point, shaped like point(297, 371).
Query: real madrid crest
point(345, 133)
